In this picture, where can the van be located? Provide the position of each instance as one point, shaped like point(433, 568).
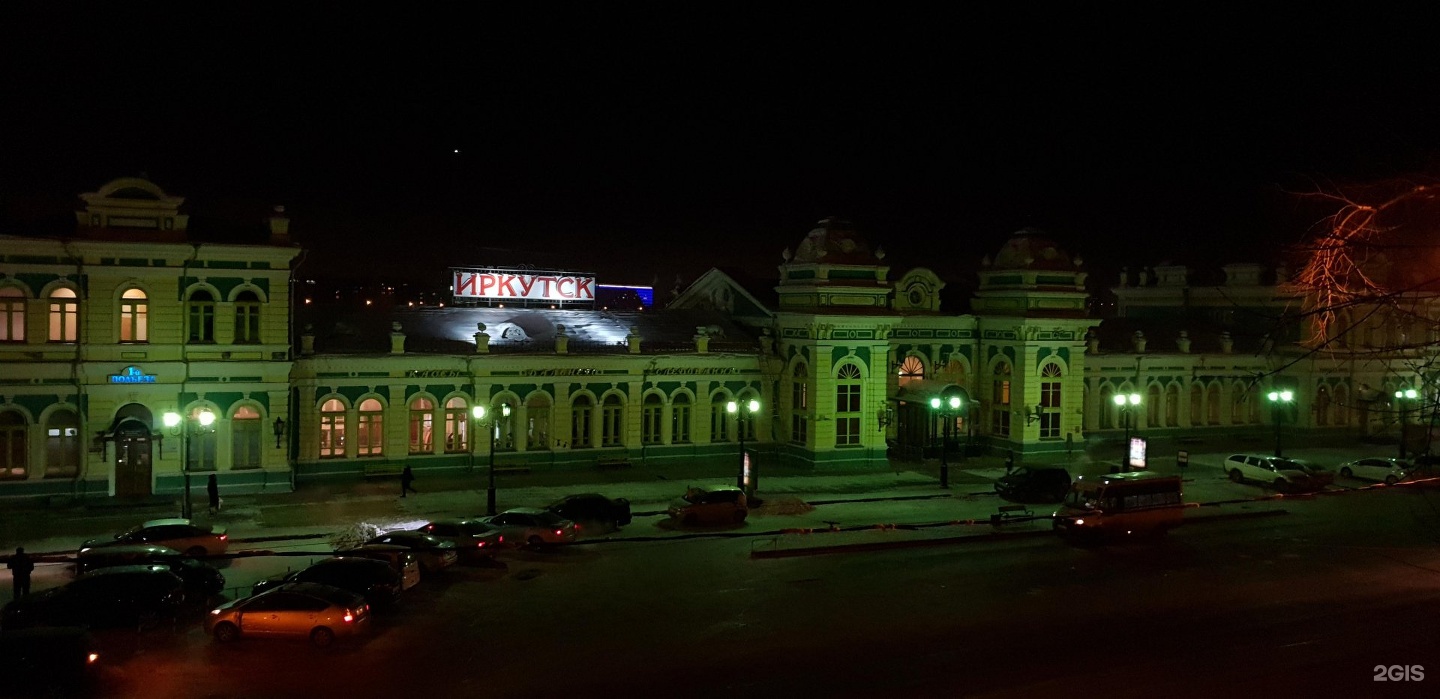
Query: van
point(1121, 505)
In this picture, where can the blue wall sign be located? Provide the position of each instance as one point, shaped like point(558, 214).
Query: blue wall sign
point(132, 374)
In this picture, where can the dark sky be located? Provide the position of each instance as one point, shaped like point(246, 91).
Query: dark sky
point(647, 140)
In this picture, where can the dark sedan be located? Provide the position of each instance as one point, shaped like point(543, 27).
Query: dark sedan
point(105, 598)
point(593, 509)
point(434, 553)
point(202, 582)
point(374, 580)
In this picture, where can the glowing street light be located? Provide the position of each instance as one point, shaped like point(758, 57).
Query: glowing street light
point(1404, 398)
point(1279, 400)
point(199, 422)
point(1127, 403)
point(947, 410)
point(752, 407)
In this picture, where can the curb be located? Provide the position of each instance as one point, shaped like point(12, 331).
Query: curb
point(895, 545)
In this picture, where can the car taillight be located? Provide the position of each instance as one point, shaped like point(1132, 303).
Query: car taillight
point(349, 616)
point(224, 537)
point(559, 532)
point(92, 657)
point(501, 539)
point(215, 611)
point(479, 544)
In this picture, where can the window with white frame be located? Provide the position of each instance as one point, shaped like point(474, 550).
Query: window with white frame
point(332, 429)
point(1050, 400)
point(245, 438)
point(12, 314)
point(847, 405)
point(422, 426)
point(612, 422)
point(457, 425)
point(200, 317)
point(134, 316)
point(247, 318)
point(371, 428)
point(680, 419)
point(537, 422)
point(651, 412)
point(64, 315)
point(719, 418)
point(62, 444)
point(582, 411)
point(1000, 400)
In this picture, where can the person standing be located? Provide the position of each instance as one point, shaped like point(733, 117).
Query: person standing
point(213, 488)
point(20, 567)
point(407, 477)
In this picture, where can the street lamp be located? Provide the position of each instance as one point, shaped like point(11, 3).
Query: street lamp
point(1408, 394)
point(1127, 402)
point(1278, 401)
point(200, 421)
point(742, 417)
point(479, 413)
point(947, 409)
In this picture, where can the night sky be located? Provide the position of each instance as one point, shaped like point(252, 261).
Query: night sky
point(642, 141)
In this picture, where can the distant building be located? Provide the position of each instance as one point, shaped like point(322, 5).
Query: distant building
point(105, 334)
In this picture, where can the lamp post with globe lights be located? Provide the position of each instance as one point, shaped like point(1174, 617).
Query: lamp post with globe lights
point(199, 422)
point(1127, 403)
point(1279, 402)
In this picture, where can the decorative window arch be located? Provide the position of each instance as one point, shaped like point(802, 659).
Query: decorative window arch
point(247, 317)
point(1052, 375)
point(537, 421)
point(134, 316)
point(64, 315)
point(582, 417)
point(246, 431)
point(652, 409)
point(422, 425)
point(332, 429)
point(911, 370)
point(200, 316)
point(12, 314)
point(612, 421)
point(680, 418)
point(370, 425)
point(849, 399)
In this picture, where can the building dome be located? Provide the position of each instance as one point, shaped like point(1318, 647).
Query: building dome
point(834, 241)
point(1030, 248)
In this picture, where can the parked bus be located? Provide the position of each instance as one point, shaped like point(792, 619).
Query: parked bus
point(1117, 505)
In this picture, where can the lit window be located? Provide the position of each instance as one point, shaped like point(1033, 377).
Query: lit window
point(332, 429)
point(422, 426)
point(371, 438)
point(1000, 401)
point(134, 316)
point(245, 438)
point(457, 421)
point(912, 371)
point(12, 314)
point(64, 315)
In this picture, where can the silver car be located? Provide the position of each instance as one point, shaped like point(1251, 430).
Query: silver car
point(527, 526)
point(1390, 471)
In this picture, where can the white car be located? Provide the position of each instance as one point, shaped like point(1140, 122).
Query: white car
point(525, 526)
point(1279, 472)
point(1391, 471)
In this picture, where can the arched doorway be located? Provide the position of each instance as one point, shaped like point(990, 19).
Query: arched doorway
point(132, 451)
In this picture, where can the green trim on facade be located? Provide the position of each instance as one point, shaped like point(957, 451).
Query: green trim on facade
point(263, 398)
point(1001, 279)
point(225, 264)
point(259, 264)
point(353, 393)
point(134, 262)
point(245, 379)
point(800, 274)
point(36, 282)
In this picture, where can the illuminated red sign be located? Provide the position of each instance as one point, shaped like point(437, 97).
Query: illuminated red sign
point(501, 285)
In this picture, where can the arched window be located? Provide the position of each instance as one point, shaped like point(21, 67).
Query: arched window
point(1154, 404)
point(719, 419)
point(612, 422)
point(537, 422)
point(332, 429)
point(799, 404)
point(504, 425)
point(247, 318)
point(245, 438)
point(64, 315)
point(1051, 394)
point(62, 444)
point(745, 423)
point(680, 419)
point(14, 450)
point(134, 316)
point(650, 413)
point(848, 401)
point(1000, 401)
point(372, 428)
point(457, 422)
point(1212, 405)
point(422, 426)
point(200, 317)
point(582, 412)
point(912, 371)
point(1197, 405)
point(1172, 406)
point(200, 453)
point(12, 314)
point(1239, 412)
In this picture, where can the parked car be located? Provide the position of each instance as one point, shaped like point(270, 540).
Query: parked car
point(202, 582)
point(433, 552)
point(105, 598)
point(592, 509)
point(400, 558)
point(473, 539)
point(374, 580)
point(1048, 484)
point(1319, 475)
point(54, 661)
point(1390, 471)
point(179, 534)
point(1276, 471)
point(531, 527)
point(710, 505)
point(321, 613)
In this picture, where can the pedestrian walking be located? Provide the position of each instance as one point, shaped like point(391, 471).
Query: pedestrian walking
point(407, 477)
point(20, 567)
point(213, 488)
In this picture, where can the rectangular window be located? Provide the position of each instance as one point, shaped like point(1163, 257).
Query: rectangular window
point(456, 435)
point(680, 424)
point(332, 435)
point(847, 431)
point(12, 447)
point(799, 395)
point(799, 429)
point(134, 321)
point(247, 323)
point(1050, 394)
point(580, 428)
point(200, 453)
point(245, 443)
point(1050, 425)
point(612, 430)
point(372, 434)
point(650, 423)
point(422, 432)
point(719, 423)
point(847, 398)
point(12, 320)
point(202, 321)
point(537, 428)
point(64, 321)
point(1000, 420)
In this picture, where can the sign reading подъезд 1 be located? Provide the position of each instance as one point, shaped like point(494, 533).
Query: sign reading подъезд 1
point(517, 285)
